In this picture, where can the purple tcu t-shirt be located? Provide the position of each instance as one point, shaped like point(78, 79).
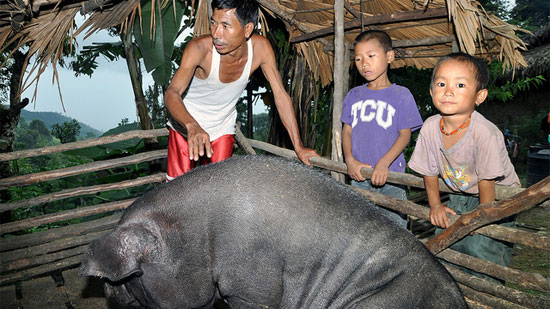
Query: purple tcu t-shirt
point(376, 116)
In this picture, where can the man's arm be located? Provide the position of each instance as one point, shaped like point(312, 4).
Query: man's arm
point(197, 139)
point(264, 51)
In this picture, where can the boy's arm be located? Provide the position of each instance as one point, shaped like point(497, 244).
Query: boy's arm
point(354, 166)
point(438, 211)
point(486, 191)
point(380, 173)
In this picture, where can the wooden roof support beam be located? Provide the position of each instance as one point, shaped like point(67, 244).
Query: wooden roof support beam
point(372, 20)
point(409, 43)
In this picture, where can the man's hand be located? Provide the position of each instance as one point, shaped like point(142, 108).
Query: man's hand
point(438, 215)
point(379, 174)
point(199, 143)
point(354, 169)
point(305, 153)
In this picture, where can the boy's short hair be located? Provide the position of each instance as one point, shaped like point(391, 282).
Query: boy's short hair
point(382, 37)
point(481, 71)
point(245, 10)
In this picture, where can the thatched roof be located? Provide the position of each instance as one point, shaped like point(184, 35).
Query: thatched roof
point(422, 30)
point(538, 55)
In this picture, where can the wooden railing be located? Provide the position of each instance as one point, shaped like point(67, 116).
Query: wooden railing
point(30, 255)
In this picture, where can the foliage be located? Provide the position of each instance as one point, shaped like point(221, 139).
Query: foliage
point(155, 107)
point(261, 126)
point(497, 7)
point(67, 132)
point(506, 91)
point(531, 14)
point(86, 61)
point(157, 44)
point(50, 118)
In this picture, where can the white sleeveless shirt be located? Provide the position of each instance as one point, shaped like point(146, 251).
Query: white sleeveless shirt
point(213, 104)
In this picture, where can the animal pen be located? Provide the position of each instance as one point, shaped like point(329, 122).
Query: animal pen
point(58, 251)
point(322, 32)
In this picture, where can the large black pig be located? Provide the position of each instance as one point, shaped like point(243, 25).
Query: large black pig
point(263, 232)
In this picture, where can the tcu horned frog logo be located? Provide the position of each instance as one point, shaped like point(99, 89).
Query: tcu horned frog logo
point(373, 109)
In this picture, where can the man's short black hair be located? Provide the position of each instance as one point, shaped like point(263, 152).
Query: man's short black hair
point(481, 72)
point(246, 10)
point(382, 37)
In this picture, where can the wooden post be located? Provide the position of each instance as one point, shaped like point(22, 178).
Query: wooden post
point(338, 96)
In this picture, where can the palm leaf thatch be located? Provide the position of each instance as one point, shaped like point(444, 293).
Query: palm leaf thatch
point(422, 30)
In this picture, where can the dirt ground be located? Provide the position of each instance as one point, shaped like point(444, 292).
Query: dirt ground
point(528, 259)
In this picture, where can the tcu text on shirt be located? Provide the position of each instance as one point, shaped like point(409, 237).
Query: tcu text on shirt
point(368, 110)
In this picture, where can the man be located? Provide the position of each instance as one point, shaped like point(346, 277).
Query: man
point(213, 73)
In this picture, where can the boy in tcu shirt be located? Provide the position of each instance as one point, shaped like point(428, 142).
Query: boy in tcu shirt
point(378, 119)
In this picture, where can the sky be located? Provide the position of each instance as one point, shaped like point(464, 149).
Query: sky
point(101, 101)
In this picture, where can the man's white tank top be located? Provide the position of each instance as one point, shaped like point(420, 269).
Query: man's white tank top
point(213, 104)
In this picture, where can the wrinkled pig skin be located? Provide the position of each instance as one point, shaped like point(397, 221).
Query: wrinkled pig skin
point(264, 232)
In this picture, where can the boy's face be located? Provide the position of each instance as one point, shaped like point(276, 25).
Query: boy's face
point(454, 88)
point(227, 32)
point(371, 60)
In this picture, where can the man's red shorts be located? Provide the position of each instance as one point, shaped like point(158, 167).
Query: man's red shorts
point(178, 153)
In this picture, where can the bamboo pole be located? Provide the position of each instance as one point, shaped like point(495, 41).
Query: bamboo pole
point(532, 281)
point(540, 241)
point(338, 93)
point(23, 263)
point(80, 169)
point(46, 248)
point(243, 141)
point(490, 212)
point(63, 194)
point(486, 299)
point(64, 215)
point(27, 240)
point(83, 144)
point(498, 290)
point(40, 270)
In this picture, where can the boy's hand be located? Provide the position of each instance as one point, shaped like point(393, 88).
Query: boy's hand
point(354, 169)
point(380, 174)
point(438, 215)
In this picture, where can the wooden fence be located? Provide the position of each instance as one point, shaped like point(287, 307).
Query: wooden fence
point(42, 253)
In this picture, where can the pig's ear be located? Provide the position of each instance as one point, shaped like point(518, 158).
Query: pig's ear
point(118, 255)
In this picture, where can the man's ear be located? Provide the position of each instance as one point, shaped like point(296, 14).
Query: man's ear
point(248, 29)
point(390, 56)
point(481, 96)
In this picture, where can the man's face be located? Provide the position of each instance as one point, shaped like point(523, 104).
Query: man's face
point(227, 32)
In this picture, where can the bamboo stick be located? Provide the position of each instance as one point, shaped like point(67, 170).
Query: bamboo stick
point(24, 263)
point(58, 245)
point(27, 240)
point(83, 144)
point(63, 194)
point(532, 281)
point(488, 300)
point(535, 240)
point(64, 215)
point(490, 212)
point(243, 141)
point(498, 290)
point(40, 270)
point(81, 169)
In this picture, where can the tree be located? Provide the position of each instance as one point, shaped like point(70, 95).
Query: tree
point(531, 14)
point(67, 132)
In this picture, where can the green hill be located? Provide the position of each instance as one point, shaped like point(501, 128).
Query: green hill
point(50, 118)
